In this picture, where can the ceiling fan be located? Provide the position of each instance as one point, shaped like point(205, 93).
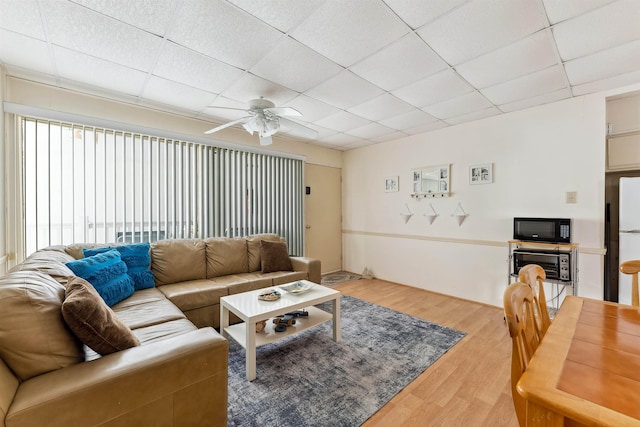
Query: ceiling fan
point(265, 119)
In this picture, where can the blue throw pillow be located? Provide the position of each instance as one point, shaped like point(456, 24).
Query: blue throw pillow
point(137, 257)
point(107, 273)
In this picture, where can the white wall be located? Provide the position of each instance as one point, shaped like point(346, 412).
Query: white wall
point(538, 155)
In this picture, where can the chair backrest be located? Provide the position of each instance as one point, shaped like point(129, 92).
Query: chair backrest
point(534, 276)
point(632, 267)
point(519, 310)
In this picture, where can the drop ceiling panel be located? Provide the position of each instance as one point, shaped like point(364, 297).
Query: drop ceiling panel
point(347, 31)
point(28, 52)
point(416, 13)
point(224, 32)
point(464, 104)
point(606, 84)
point(381, 107)
point(475, 115)
point(345, 90)
point(342, 140)
point(426, 128)
point(194, 69)
point(232, 109)
point(371, 130)
point(389, 137)
point(604, 64)
point(478, 27)
point(536, 100)
point(285, 15)
point(125, 45)
point(342, 121)
point(560, 10)
point(176, 94)
point(612, 25)
point(538, 83)
point(408, 120)
point(294, 65)
point(532, 53)
point(311, 109)
point(400, 63)
point(443, 85)
point(253, 87)
point(23, 17)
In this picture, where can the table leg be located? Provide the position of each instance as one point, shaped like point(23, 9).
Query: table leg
point(250, 350)
point(336, 319)
point(224, 318)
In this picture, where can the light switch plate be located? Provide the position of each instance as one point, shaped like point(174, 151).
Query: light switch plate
point(572, 197)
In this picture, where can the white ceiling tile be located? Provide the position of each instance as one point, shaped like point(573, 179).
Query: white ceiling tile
point(426, 128)
point(358, 144)
point(311, 109)
point(345, 90)
point(285, 15)
point(538, 83)
point(341, 139)
point(479, 27)
point(98, 72)
point(533, 53)
point(390, 137)
point(124, 45)
point(408, 120)
point(178, 95)
point(606, 84)
point(347, 31)
point(226, 109)
point(444, 85)
point(194, 69)
point(399, 64)
point(475, 115)
point(150, 15)
point(464, 104)
point(612, 25)
point(23, 17)
point(342, 121)
point(253, 87)
point(224, 32)
point(294, 65)
point(381, 107)
point(560, 10)
point(322, 131)
point(604, 64)
point(536, 100)
point(416, 13)
point(25, 51)
point(372, 130)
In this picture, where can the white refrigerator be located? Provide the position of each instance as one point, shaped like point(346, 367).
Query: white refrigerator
point(629, 229)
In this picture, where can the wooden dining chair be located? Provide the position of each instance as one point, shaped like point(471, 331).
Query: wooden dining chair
point(534, 276)
point(632, 268)
point(519, 310)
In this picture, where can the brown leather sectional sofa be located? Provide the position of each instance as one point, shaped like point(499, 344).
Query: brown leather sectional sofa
point(178, 374)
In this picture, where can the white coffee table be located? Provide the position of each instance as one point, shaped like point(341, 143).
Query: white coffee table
point(251, 310)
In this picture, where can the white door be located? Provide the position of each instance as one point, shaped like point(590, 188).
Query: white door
point(629, 237)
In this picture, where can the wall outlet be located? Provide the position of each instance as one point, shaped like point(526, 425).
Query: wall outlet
point(572, 197)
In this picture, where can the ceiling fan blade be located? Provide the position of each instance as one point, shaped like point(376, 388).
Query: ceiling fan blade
point(284, 111)
point(226, 125)
point(227, 108)
point(311, 133)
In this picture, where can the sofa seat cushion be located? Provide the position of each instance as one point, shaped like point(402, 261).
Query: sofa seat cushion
point(93, 322)
point(282, 277)
point(164, 330)
point(148, 313)
point(226, 256)
point(250, 282)
point(142, 297)
point(34, 338)
point(198, 293)
point(174, 261)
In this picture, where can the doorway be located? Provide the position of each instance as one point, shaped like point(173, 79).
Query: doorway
point(612, 214)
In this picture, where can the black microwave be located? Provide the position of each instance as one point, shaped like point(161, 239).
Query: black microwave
point(549, 230)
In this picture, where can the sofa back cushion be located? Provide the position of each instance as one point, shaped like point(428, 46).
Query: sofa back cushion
point(253, 249)
point(226, 256)
point(34, 338)
point(175, 261)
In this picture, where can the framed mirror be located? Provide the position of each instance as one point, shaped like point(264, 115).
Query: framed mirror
point(431, 181)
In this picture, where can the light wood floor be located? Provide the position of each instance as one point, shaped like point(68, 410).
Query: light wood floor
point(469, 385)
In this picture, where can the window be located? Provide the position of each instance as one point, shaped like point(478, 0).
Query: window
point(87, 184)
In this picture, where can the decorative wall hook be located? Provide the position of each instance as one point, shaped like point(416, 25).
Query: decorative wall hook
point(460, 214)
point(407, 215)
point(431, 214)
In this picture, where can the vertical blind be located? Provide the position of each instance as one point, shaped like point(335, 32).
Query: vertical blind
point(87, 184)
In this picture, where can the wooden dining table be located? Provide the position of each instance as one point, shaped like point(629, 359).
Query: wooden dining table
point(586, 369)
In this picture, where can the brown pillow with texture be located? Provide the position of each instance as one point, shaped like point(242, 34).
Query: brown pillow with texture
point(93, 321)
point(274, 256)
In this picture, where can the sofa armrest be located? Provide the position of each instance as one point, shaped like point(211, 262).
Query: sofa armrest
point(180, 381)
point(310, 265)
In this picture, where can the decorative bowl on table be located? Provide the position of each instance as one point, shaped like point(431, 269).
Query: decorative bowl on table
point(296, 287)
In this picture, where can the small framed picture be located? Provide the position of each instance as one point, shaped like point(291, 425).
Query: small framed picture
point(391, 184)
point(481, 174)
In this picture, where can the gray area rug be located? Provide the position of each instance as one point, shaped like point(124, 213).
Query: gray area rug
point(331, 279)
point(310, 380)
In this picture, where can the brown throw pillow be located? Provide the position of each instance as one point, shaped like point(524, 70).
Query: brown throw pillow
point(274, 256)
point(93, 321)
